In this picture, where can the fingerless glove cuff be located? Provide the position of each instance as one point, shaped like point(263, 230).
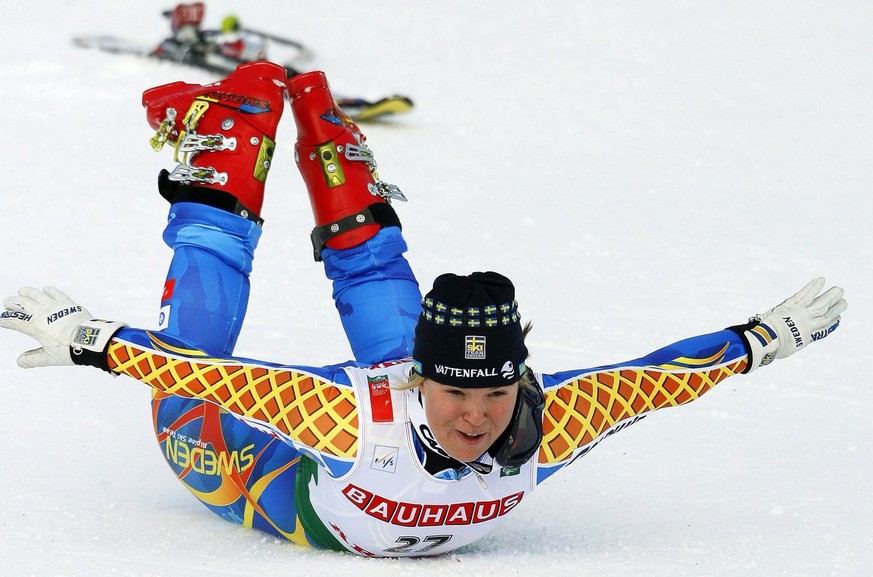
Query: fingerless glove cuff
point(91, 341)
point(762, 342)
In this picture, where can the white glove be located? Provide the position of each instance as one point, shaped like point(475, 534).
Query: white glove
point(790, 326)
point(64, 328)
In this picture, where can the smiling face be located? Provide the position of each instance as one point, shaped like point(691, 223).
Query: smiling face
point(465, 421)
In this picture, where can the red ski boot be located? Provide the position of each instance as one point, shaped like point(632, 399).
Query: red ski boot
point(224, 135)
point(349, 202)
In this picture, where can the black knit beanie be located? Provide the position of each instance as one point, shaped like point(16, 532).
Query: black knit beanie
point(469, 333)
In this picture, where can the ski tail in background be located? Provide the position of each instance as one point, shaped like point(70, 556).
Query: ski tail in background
point(362, 110)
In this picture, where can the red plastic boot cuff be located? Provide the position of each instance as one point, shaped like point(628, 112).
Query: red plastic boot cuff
point(333, 160)
point(224, 132)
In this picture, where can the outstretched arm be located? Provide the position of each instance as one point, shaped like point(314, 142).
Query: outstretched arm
point(311, 407)
point(585, 406)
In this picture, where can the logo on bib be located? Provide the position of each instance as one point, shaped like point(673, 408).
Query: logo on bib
point(385, 459)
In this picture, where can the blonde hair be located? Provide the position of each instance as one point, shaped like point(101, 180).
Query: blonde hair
point(415, 379)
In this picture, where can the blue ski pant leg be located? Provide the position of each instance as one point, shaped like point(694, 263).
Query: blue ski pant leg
point(221, 460)
point(376, 295)
point(207, 288)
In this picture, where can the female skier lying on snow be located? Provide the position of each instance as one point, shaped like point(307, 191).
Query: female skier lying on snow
point(438, 429)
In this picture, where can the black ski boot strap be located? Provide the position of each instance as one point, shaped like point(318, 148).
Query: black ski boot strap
point(380, 213)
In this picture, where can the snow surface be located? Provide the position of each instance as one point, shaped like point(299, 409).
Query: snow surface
point(645, 171)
